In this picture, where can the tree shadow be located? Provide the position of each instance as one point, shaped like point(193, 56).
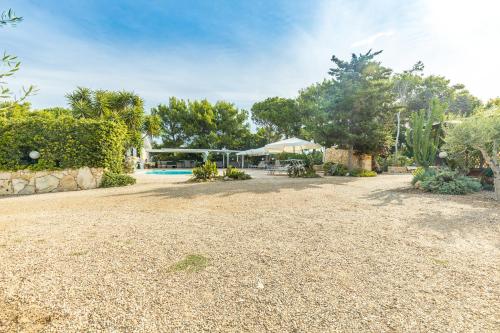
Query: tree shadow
point(394, 196)
point(397, 196)
point(187, 190)
point(467, 223)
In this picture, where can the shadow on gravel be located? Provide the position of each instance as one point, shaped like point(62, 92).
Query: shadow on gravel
point(397, 196)
point(464, 223)
point(229, 188)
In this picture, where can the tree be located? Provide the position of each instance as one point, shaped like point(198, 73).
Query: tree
point(151, 126)
point(174, 119)
point(10, 65)
point(120, 106)
point(360, 103)
point(201, 128)
point(421, 136)
point(278, 116)
point(404, 87)
point(231, 125)
point(200, 124)
point(482, 132)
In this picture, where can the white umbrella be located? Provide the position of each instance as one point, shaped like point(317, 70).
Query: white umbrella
point(291, 145)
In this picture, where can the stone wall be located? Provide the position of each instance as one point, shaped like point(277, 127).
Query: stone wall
point(341, 156)
point(30, 182)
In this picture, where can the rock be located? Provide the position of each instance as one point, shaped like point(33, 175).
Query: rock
point(29, 189)
point(5, 175)
point(58, 174)
point(68, 183)
point(98, 173)
point(46, 184)
point(5, 186)
point(18, 184)
point(85, 179)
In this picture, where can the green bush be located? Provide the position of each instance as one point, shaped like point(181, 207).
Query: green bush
point(233, 173)
point(207, 171)
point(334, 169)
point(421, 174)
point(62, 142)
point(315, 157)
point(296, 171)
point(362, 173)
point(450, 182)
point(110, 179)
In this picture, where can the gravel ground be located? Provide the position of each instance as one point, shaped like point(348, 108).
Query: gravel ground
point(278, 254)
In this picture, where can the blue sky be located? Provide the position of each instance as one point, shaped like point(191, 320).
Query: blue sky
point(242, 51)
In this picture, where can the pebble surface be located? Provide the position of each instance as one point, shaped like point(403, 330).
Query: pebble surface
point(333, 254)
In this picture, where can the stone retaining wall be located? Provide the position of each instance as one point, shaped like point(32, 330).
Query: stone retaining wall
point(30, 182)
point(341, 156)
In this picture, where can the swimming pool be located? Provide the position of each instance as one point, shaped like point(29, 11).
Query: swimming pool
point(169, 172)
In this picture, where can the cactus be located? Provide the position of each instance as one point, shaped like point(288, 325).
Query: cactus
point(420, 136)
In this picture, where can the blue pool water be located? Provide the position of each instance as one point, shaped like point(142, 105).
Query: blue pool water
point(169, 172)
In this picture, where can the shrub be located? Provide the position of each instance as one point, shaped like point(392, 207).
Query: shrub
point(62, 142)
point(421, 174)
point(362, 173)
point(207, 171)
point(295, 171)
point(450, 182)
point(233, 173)
point(111, 179)
point(334, 169)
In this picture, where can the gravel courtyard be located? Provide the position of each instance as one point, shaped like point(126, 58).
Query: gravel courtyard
point(282, 255)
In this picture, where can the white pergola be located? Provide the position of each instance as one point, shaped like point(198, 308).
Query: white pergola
point(202, 151)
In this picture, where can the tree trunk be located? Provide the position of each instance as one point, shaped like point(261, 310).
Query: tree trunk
point(349, 157)
point(397, 133)
point(496, 183)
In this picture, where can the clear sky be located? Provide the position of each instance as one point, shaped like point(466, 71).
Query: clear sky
point(242, 51)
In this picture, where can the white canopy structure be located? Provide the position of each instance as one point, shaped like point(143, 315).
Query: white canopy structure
point(254, 152)
point(292, 145)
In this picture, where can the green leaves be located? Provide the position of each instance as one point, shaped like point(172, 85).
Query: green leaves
point(63, 142)
point(421, 137)
point(200, 124)
point(119, 106)
point(279, 117)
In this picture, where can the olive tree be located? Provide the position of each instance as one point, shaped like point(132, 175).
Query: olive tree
point(482, 132)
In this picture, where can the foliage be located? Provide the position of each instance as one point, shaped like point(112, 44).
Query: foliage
point(151, 125)
point(236, 174)
point(279, 117)
point(314, 158)
point(10, 64)
point(399, 160)
point(296, 170)
point(487, 179)
point(207, 171)
point(420, 136)
point(450, 182)
point(421, 174)
point(355, 109)
point(111, 179)
point(201, 124)
point(62, 142)
point(118, 106)
point(362, 173)
point(335, 169)
point(480, 132)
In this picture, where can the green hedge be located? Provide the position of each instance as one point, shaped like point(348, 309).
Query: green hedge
point(63, 142)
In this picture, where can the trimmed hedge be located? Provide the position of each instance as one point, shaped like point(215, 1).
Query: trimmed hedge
point(110, 179)
point(63, 142)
